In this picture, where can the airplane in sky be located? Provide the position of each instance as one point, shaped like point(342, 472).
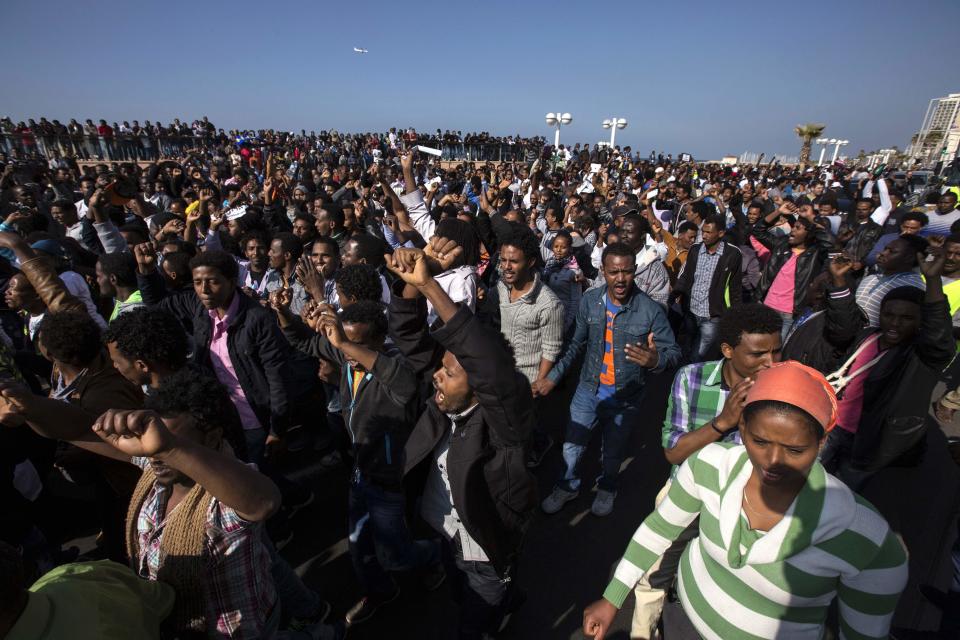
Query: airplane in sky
point(359, 50)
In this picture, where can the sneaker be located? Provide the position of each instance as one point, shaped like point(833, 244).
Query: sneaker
point(603, 503)
point(433, 577)
point(557, 498)
point(332, 460)
point(943, 414)
point(536, 454)
point(299, 624)
point(367, 606)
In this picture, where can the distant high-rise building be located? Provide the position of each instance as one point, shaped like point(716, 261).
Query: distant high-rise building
point(939, 135)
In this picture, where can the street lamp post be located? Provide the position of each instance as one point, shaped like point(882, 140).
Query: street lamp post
point(880, 157)
point(836, 150)
point(557, 120)
point(613, 124)
point(823, 142)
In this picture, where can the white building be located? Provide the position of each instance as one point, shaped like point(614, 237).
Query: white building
point(939, 135)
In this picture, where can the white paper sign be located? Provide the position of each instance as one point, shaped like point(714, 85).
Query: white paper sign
point(586, 187)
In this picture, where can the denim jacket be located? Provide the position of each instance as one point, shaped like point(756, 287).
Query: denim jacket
point(638, 317)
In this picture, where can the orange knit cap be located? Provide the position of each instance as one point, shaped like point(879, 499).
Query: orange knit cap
point(799, 385)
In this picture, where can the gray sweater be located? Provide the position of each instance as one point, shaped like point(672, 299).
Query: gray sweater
point(533, 325)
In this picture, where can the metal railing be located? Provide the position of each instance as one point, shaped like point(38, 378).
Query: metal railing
point(117, 148)
point(145, 148)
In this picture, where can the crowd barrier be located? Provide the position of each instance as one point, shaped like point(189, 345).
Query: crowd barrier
point(141, 148)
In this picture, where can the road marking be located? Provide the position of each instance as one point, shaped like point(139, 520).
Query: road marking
point(330, 554)
point(563, 615)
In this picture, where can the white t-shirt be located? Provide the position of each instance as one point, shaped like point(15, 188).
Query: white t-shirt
point(76, 232)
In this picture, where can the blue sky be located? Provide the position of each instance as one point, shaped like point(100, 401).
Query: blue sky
point(710, 78)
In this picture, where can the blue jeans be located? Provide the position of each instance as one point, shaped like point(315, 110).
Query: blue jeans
point(332, 392)
point(616, 417)
point(106, 148)
point(379, 538)
point(787, 325)
point(295, 599)
point(707, 329)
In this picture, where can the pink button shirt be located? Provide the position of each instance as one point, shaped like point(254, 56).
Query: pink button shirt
point(780, 295)
point(223, 367)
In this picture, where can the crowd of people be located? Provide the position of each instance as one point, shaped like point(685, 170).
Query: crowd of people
point(131, 141)
point(171, 327)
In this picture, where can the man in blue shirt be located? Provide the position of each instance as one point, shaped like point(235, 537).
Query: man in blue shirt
point(622, 333)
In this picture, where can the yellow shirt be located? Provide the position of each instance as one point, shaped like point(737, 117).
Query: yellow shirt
point(357, 379)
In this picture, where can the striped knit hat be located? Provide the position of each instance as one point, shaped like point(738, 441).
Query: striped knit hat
point(799, 385)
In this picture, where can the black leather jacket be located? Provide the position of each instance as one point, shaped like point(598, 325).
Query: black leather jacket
point(864, 237)
point(809, 263)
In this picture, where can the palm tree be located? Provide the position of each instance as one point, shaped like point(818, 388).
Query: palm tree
point(808, 133)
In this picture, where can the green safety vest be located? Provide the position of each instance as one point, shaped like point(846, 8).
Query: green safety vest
point(952, 291)
point(135, 298)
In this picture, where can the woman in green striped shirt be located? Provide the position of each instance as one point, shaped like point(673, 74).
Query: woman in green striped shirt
point(779, 537)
